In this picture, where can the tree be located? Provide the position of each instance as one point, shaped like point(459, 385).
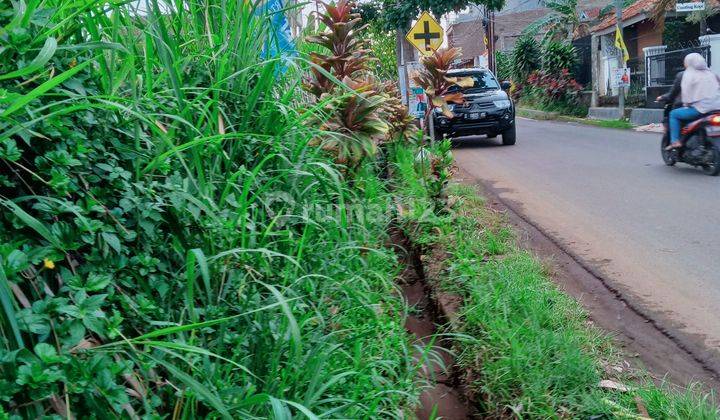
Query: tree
point(562, 23)
point(381, 40)
point(399, 13)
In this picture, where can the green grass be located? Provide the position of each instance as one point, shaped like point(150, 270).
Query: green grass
point(530, 349)
point(545, 115)
point(206, 260)
point(617, 124)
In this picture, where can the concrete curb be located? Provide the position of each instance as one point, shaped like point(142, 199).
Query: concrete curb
point(537, 114)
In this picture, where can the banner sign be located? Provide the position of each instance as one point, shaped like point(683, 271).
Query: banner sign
point(622, 77)
point(417, 100)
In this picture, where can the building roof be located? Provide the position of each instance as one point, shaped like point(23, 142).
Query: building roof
point(513, 24)
point(588, 15)
point(640, 8)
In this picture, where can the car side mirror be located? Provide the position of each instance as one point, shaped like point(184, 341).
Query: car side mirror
point(505, 85)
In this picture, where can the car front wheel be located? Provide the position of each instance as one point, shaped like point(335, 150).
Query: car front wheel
point(508, 136)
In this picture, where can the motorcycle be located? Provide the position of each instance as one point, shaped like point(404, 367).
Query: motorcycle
point(701, 142)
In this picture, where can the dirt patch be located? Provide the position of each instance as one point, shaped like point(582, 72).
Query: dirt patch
point(645, 343)
point(445, 398)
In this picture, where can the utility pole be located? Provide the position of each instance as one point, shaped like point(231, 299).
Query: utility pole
point(491, 41)
point(621, 56)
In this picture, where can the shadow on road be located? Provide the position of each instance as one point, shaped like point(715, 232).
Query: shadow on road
point(680, 170)
point(473, 142)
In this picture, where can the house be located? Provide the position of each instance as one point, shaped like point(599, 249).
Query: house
point(509, 26)
point(645, 39)
point(467, 33)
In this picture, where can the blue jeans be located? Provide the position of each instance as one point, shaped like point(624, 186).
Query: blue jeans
point(677, 116)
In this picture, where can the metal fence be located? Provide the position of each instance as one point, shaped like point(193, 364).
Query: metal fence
point(637, 76)
point(661, 68)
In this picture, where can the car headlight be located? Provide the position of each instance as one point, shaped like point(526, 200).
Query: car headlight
point(451, 107)
point(503, 103)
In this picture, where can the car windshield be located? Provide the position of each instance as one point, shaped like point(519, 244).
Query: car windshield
point(483, 80)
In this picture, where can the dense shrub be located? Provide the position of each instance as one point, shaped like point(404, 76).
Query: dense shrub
point(525, 58)
point(171, 245)
point(503, 65)
point(557, 56)
point(553, 92)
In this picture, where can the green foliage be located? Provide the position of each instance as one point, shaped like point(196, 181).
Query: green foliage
point(432, 165)
point(382, 40)
point(553, 92)
point(558, 56)
point(399, 13)
point(382, 46)
point(562, 23)
point(673, 33)
point(503, 65)
point(525, 58)
point(171, 245)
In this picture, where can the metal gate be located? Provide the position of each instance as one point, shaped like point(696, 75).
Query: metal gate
point(661, 68)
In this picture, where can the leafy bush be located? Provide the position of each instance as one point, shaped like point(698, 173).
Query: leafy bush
point(355, 124)
point(553, 92)
point(503, 65)
point(171, 245)
point(525, 58)
point(558, 56)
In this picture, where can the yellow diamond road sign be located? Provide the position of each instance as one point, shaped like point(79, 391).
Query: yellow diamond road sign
point(426, 35)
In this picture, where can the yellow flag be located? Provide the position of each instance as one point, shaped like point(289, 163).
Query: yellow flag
point(620, 44)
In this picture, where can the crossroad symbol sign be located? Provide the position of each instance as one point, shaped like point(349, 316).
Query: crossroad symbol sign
point(426, 35)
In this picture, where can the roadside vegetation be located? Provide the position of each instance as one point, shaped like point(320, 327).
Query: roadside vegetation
point(529, 350)
point(194, 225)
point(618, 124)
point(185, 231)
point(542, 77)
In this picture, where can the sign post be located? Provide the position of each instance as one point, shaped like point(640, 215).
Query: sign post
point(620, 43)
point(426, 35)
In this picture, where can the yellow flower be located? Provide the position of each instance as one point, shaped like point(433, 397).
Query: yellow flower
point(48, 263)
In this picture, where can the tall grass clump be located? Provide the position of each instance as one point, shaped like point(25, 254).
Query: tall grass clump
point(172, 240)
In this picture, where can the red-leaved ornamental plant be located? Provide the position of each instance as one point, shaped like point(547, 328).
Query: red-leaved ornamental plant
point(555, 86)
point(349, 54)
point(396, 113)
point(434, 79)
point(354, 120)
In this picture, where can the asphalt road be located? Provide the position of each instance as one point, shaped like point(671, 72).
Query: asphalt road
point(652, 231)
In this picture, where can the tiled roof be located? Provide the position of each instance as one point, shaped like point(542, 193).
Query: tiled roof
point(591, 14)
point(635, 9)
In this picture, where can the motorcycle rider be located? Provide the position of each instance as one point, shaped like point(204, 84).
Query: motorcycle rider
point(674, 95)
point(699, 92)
